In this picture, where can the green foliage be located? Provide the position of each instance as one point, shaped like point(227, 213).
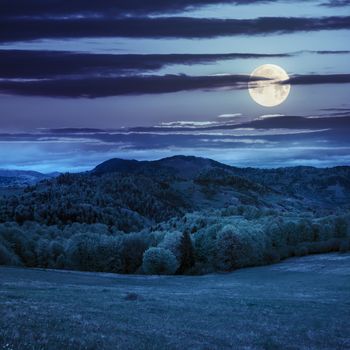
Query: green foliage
point(7, 257)
point(124, 202)
point(207, 215)
point(187, 253)
point(159, 261)
point(205, 245)
point(180, 244)
point(220, 242)
point(235, 249)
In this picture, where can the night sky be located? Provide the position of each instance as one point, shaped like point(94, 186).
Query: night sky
point(83, 81)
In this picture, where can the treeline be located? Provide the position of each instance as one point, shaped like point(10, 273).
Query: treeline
point(129, 203)
point(215, 240)
point(154, 221)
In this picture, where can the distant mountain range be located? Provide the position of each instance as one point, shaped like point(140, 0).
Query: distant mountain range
point(158, 190)
point(183, 166)
point(22, 178)
point(328, 187)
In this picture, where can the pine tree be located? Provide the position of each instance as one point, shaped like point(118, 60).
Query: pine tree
point(187, 253)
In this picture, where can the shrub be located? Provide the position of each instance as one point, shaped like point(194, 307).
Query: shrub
point(92, 252)
point(304, 231)
point(81, 252)
point(340, 227)
point(205, 245)
point(180, 244)
point(301, 250)
point(344, 246)
point(7, 257)
point(42, 252)
point(159, 261)
point(132, 249)
point(276, 235)
point(234, 249)
point(272, 256)
point(172, 242)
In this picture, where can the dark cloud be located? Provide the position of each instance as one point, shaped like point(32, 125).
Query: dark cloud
point(319, 79)
point(337, 109)
point(278, 141)
point(46, 64)
point(93, 87)
point(330, 52)
point(290, 122)
point(336, 3)
point(38, 8)
point(161, 27)
point(282, 122)
point(103, 87)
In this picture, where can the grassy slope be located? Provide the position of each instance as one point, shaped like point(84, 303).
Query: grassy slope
point(298, 304)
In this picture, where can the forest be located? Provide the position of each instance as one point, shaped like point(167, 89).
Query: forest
point(179, 215)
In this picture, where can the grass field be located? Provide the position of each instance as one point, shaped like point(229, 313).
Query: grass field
point(302, 303)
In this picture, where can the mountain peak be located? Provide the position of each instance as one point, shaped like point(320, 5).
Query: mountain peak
point(185, 166)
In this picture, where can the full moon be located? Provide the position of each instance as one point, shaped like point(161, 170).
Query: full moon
point(269, 93)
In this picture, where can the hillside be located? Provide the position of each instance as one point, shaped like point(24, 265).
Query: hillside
point(131, 195)
point(297, 187)
point(196, 213)
point(306, 300)
point(22, 178)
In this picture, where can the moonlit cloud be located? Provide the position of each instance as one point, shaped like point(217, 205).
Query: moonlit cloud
point(95, 87)
point(266, 116)
point(34, 64)
point(22, 29)
point(82, 81)
point(188, 124)
point(262, 143)
point(233, 115)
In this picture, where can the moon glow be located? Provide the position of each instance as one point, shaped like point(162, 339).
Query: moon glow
point(269, 93)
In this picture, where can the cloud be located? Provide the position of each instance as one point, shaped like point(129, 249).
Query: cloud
point(94, 87)
point(185, 124)
point(48, 64)
point(336, 109)
point(82, 149)
point(103, 87)
point(238, 140)
point(331, 52)
point(318, 79)
point(228, 116)
point(336, 3)
point(266, 116)
point(278, 125)
point(161, 27)
point(296, 122)
point(44, 64)
point(64, 8)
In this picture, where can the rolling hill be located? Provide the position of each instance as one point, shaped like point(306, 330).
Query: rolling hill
point(134, 194)
point(22, 178)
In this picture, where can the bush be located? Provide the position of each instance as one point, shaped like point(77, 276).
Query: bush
point(205, 245)
point(344, 246)
point(132, 249)
point(172, 242)
point(7, 257)
point(234, 249)
point(180, 244)
point(159, 261)
point(82, 252)
point(272, 257)
point(221, 242)
point(301, 250)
